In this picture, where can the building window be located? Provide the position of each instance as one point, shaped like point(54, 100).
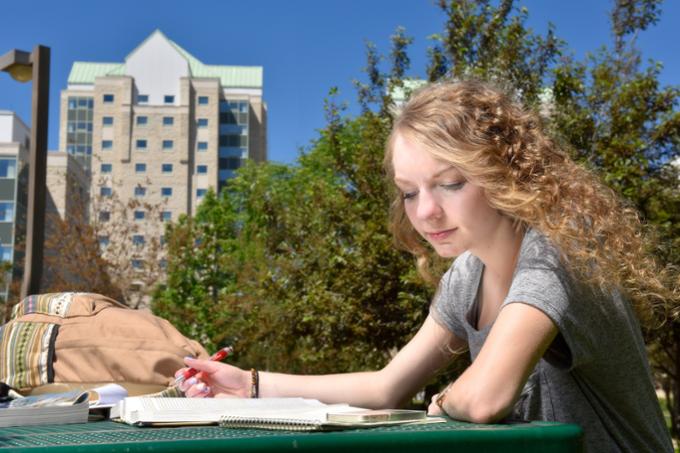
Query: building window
point(107, 120)
point(103, 241)
point(202, 169)
point(234, 112)
point(200, 192)
point(140, 144)
point(166, 191)
point(167, 144)
point(6, 211)
point(105, 191)
point(107, 144)
point(6, 253)
point(202, 146)
point(166, 216)
point(166, 168)
point(139, 215)
point(203, 100)
point(168, 99)
point(137, 264)
point(140, 191)
point(8, 168)
point(79, 117)
point(142, 99)
point(108, 98)
point(229, 163)
point(140, 168)
point(142, 120)
point(233, 140)
point(168, 121)
point(104, 216)
point(162, 240)
point(203, 122)
point(163, 263)
point(106, 168)
point(138, 240)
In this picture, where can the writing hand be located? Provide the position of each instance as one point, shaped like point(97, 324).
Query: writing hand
point(215, 379)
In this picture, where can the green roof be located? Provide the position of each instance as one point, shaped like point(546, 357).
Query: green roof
point(82, 72)
point(230, 76)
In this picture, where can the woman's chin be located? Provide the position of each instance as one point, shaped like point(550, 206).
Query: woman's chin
point(448, 251)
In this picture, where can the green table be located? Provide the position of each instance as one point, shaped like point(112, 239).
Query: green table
point(451, 436)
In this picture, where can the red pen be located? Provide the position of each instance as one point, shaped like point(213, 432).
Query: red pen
point(216, 357)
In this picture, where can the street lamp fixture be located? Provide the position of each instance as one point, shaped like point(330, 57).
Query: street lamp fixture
point(18, 64)
point(24, 66)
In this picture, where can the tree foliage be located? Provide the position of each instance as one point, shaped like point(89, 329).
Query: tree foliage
point(301, 271)
point(310, 281)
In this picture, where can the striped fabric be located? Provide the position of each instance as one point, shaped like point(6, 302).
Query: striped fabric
point(26, 353)
point(56, 304)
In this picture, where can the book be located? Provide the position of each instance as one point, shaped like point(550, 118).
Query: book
point(380, 415)
point(106, 396)
point(49, 408)
point(264, 413)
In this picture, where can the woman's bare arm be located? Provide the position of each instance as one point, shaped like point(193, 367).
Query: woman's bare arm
point(428, 351)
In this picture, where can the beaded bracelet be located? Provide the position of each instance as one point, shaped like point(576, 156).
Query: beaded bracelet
point(254, 383)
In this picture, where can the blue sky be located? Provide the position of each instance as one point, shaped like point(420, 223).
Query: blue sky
point(305, 46)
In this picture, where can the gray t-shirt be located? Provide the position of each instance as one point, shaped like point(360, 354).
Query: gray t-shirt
point(594, 374)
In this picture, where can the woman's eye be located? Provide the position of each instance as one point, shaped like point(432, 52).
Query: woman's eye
point(408, 195)
point(453, 186)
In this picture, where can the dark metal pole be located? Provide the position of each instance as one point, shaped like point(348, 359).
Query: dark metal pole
point(37, 173)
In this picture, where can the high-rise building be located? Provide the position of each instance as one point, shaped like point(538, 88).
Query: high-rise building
point(14, 149)
point(162, 126)
point(67, 188)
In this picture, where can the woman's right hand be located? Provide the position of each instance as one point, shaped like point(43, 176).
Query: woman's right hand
point(215, 379)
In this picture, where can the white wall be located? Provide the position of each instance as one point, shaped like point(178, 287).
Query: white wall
point(157, 67)
point(12, 129)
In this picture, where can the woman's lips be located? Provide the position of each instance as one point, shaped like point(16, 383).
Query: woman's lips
point(440, 235)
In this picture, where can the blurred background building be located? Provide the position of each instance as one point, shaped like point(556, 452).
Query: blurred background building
point(14, 148)
point(163, 117)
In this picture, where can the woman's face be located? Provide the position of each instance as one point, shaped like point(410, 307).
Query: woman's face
point(451, 213)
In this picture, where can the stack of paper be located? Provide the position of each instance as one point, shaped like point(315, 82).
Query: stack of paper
point(53, 408)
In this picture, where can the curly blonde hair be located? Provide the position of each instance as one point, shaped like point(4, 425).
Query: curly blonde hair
point(501, 147)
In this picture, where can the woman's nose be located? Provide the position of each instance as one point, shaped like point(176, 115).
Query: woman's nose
point(428, 206)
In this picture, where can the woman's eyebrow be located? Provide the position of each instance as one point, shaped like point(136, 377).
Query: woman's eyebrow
point(445, 170)
point(435, 176)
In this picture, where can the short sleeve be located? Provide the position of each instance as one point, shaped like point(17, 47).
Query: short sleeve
point(541, 281)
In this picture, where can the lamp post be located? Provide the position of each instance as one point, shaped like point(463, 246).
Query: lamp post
point(24, 66)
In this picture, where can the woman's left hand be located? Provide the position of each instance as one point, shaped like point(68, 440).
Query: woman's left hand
point(434, 408)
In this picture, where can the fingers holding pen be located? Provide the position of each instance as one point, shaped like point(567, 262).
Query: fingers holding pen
point(218, 379)
point(196, 389)
point(193, 383)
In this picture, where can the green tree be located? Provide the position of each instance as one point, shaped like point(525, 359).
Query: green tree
point(620, 121)
point(305, 277)
point(311, 281)
point(200, 272)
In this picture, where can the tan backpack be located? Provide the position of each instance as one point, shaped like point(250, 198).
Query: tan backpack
point(63, 341)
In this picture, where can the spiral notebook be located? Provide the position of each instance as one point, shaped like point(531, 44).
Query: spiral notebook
point(298, 414)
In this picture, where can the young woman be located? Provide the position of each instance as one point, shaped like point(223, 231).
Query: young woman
point(550, 270)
